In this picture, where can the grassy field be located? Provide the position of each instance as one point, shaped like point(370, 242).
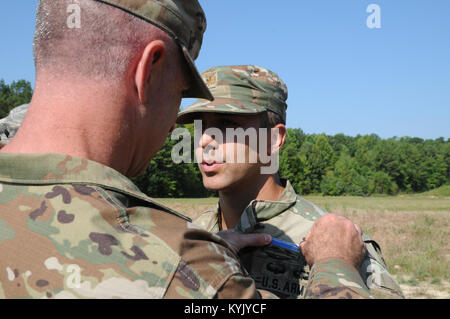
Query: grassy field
point(412, 230)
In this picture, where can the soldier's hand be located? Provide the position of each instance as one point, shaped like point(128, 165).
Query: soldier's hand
point(238, 241)
point(334, 236)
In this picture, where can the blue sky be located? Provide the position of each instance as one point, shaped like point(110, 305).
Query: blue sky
point(342, 76)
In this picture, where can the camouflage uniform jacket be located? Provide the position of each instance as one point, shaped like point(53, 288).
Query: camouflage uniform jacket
point(73, 228)
point(290, 219)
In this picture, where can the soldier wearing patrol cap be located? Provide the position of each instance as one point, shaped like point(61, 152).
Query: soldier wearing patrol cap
point(72, 225)
point(249, 96)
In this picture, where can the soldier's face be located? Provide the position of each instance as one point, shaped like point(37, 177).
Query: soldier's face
point(227, 153)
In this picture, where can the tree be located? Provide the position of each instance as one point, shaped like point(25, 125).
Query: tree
point(387, 159)
point(320, 159)
point(345, 179)
point(364, 154)
point(334, 165)
point(340, 141)
point(15, 94)
point(382, 183)
point(293, 163)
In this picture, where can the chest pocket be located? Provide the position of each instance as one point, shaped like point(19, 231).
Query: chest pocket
point(278, 270)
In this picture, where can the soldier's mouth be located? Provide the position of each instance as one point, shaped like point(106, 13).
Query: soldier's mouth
point(210, 166)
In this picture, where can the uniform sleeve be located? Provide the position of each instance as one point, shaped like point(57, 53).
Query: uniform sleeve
point(242, 287)
point(335, 279)
point(375, 274)
point(329, 279)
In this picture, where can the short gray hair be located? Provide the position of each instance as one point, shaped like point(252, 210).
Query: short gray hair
point(102, 48)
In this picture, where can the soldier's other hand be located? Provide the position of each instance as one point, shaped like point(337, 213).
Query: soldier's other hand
point(334, 236)
point(238, 241)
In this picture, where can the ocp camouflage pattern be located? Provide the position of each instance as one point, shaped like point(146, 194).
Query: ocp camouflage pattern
point(241, 89)
point(73, 228)
point(185, 21)
point(285, 273)
point(328, 283)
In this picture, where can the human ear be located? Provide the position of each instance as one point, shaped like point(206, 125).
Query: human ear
point(277, 138)
point(150, 61)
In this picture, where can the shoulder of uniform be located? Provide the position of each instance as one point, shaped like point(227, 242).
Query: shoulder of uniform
point(373, 249)
point(307, 209)
point(126, 200)
point(205, 267)
point(171, 211)
point(160, 249)
point(205, 218)
point(375, 273)
point(206, 213)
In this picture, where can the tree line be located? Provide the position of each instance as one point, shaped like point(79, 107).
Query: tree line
point(321, 164)
point(314, 163)
point(364, 165)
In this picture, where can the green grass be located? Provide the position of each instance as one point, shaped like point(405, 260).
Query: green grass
point(385, 203)
point(444, 190)
point(349, 203)
point(189, 201)
point(424, 252)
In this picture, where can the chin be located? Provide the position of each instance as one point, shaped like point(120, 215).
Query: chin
point(211, 186)
point(220, 184)
point(213, 183)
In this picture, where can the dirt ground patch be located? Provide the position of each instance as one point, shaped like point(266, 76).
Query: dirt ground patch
point(424, 290)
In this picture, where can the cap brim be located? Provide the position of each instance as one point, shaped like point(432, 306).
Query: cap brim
point(221, 105)
point(198, 87)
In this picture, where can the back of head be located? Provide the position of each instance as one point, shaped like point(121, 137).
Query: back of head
point(106, 37)
point(102, 47)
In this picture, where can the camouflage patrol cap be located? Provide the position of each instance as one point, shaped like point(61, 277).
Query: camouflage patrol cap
point(184, 21)
point(241, 89)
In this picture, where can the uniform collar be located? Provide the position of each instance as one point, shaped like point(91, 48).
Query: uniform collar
point(50, 168)
point(262, 210)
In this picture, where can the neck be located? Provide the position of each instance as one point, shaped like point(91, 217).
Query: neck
point(65, 119)
point(233, 202)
